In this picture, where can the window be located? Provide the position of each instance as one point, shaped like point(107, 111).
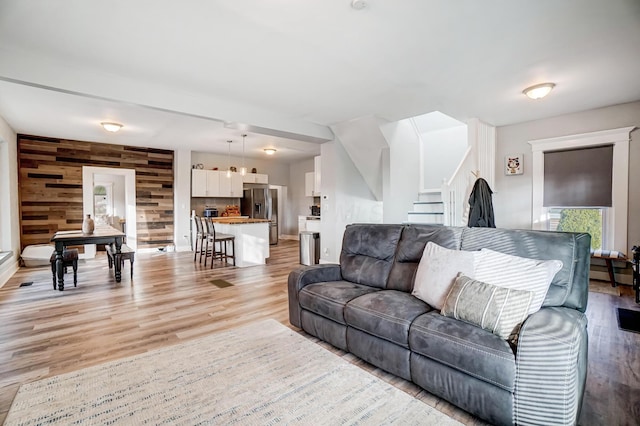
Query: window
point(614, 218)
point(589, 220)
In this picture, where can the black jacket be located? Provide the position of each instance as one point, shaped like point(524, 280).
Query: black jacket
point(481, 211)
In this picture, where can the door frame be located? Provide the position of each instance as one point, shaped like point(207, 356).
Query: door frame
point(88, 182)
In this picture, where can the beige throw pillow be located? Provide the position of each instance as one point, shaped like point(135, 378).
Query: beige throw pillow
point(496, 309)
point(518, 273)
point(437, 271)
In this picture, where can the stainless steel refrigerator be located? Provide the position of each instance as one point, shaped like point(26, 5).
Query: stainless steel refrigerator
point(260, 202)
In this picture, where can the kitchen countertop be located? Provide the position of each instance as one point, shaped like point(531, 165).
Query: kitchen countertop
point(238, 220)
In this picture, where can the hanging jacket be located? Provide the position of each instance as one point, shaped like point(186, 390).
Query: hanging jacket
point(481, 210)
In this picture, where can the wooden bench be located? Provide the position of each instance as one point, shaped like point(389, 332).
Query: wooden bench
point(126, 252)
point(609, 256)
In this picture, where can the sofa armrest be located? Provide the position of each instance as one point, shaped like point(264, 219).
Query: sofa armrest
point(305, 275)
point(551, 367)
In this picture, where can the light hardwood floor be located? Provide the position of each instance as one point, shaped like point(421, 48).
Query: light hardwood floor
point(44, 332)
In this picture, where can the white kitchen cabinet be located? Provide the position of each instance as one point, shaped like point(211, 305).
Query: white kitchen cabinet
point(230, 187)
point(215, 183)
point(204, 183)
point(317, 176)
point(309, 181)
point(302, 224)
point(313, 225)
point(255, 178)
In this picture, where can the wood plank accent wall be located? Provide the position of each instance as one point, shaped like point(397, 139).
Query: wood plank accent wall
point(50, 181)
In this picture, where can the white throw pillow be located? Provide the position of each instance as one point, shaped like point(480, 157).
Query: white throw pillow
point(437, 271)
point(518, 273)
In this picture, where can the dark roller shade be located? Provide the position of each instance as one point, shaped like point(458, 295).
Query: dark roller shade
point(578, 177)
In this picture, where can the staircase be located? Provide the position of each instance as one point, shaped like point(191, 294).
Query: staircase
point(429, 209)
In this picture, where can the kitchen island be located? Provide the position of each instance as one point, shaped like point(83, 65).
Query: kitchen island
point(251, 238)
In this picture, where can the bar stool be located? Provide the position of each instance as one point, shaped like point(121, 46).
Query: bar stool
point(200, 236)
point(222, 240)
point(69, 258)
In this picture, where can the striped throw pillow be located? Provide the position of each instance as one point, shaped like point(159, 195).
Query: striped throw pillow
point(518, 273)
point(496, 309)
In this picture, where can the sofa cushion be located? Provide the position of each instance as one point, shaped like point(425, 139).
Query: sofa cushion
point(518, 273)
point(572, 249)
point(496, 309)
point(386, 314)
point(410, 249)
point(367, 253)
point(464, 347)
point(329, 298)
point(438, 270)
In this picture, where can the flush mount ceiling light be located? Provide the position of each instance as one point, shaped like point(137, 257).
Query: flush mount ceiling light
point(358, 4)
point(539, 91)
point(269, 151)
point(111, 127)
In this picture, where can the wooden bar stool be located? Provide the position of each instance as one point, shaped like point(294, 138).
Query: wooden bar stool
point(69, 258)
point(201, 236)
point(222, 240)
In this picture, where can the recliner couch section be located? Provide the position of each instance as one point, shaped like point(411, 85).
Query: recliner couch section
point(364, 306)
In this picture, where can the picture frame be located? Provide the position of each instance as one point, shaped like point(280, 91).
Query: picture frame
point(513, 164)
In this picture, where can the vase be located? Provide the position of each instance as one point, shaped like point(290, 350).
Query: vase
point(88, 225)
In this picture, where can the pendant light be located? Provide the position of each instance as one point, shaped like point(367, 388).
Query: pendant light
point(243, 169)
point(229, 160)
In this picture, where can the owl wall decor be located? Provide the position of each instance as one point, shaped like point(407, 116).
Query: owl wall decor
point(513, 164)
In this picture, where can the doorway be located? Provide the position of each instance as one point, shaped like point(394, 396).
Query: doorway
point(116, 201)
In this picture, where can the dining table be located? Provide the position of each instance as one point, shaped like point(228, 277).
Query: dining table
point(101, 235)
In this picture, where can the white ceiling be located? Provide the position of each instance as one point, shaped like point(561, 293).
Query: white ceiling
point(175, 72)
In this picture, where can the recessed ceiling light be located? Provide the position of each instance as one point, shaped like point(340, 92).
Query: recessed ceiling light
point(111, 127)
point(269, 151)
point(539, 91)
point(358, 4)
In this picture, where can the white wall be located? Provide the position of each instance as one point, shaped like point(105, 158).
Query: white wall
point(442, 151)
point(9, 220)
point(182, 199)
point(346, 198)
point(401, 170)
point(297, 201)
point(512, 200)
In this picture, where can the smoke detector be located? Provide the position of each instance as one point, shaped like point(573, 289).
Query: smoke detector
point(358, 4)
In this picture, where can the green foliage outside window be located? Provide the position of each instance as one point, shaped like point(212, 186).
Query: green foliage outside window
point(583, 220)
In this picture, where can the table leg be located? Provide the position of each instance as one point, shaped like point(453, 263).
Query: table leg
point(60, 267)
point(117, 260)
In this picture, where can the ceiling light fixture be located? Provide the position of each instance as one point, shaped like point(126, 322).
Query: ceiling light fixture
point(269, 151)
point(243, 169)
point(111, 127)
point(229, 160)
point(539, 91)
point(358, 4)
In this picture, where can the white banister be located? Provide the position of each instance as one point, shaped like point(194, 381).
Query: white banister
point(456, 190)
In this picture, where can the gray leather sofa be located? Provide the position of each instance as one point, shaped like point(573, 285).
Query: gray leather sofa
point(364, 306)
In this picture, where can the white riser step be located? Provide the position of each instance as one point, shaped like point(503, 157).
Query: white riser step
point(430, 218)
point(428, 207)
point(430, 196)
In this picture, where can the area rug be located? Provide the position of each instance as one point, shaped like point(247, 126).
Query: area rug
point(629, 320)
point(259, 374)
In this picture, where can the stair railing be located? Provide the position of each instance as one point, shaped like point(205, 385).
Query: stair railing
point(456, 190)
